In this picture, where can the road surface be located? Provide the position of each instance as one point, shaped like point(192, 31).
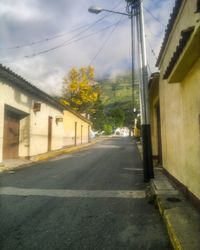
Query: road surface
point(93, 199)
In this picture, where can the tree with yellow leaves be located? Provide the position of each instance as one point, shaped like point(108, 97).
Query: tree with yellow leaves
point(79, 90)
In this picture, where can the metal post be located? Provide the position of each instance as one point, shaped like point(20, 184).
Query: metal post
point(132, 55)
point(142, 108)
point(146, 129)
point(135, 8)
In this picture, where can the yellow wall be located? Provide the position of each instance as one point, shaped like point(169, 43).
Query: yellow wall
point(180, 110)
point(69, 128)
point(190, 92)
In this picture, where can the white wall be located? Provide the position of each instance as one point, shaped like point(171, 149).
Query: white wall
point(39, 130)
point(33, 127)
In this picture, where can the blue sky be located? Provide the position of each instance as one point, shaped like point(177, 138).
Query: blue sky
point(39, 25)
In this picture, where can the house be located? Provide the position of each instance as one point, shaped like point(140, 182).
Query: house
point(174, 97)
point(76, 128)
point(32, 122)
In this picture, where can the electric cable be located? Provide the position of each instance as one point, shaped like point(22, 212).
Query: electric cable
point(66, 43)
point(150, 71)
point(105, 41)
point(87, 26)
point(152, 50)
point(154, 17)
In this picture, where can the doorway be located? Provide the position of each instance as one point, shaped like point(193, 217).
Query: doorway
point(75, 134)
point(11, 135)
point(159, 141)
point(50, 120)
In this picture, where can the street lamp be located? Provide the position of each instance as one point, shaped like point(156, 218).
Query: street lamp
point(135, 9)
point(97, 10)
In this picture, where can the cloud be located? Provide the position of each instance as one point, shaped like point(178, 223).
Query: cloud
point(37, 20)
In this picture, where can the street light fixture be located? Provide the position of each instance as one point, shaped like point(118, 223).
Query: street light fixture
point(97, 10)
point(135, 9)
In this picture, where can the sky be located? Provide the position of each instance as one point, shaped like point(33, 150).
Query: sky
point(41, 40)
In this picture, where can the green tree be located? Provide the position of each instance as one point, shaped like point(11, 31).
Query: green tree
point(98, 117)
point(117, 117)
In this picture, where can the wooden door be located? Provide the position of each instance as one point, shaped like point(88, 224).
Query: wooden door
point(49, 132)
point(11, 135)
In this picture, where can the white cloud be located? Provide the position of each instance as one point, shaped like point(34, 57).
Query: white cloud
point(21, 11)
point(34, 20)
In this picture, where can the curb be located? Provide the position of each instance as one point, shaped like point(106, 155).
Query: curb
point(172, 233)
point(48, 155)
point(56, 153)
point(180, 218)
point(170, 229)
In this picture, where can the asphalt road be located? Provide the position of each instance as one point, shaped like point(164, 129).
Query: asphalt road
point(87, 200)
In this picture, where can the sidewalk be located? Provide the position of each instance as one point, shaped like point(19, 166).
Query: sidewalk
point(180, 217)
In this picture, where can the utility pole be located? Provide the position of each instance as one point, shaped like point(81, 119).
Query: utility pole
point(135, 9)
point(132, 55)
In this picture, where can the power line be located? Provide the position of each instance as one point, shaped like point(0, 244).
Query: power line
point(152, 50)
point(71, 41)
point(105, 41)
point(66, 43)
point(150, 71)
point(47, 39)
point(154, 17)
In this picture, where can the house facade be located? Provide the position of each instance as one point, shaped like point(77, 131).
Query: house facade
point(32, 122)
point(76, 127)
point(175, 97)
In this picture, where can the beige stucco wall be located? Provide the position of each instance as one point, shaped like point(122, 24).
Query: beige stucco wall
point(69, 127)
point(180, 110)
point(33, 127)
point(39, 130)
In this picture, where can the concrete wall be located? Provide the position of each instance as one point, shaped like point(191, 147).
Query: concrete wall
point(34, 125)
point(180, 110)
point(69, 126)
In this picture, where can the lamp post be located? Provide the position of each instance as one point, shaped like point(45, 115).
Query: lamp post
point(135, 13)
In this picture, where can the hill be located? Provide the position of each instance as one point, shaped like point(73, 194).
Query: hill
point(117, 93)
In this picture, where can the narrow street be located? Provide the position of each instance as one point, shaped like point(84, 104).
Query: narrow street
point(93, 199)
